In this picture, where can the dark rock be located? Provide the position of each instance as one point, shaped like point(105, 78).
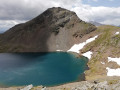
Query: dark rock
point(95, 82)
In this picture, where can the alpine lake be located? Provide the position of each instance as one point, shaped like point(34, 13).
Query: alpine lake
point(47, 69)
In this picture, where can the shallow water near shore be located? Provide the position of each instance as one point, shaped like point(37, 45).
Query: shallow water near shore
point(47, 69)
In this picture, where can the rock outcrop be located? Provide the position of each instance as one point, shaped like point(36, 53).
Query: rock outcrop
point(55, 29)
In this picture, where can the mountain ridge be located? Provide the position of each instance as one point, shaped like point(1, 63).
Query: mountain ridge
point(54, 29)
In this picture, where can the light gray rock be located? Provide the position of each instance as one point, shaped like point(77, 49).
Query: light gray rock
point(44, 88)
point(99, 86)
point(29, 87)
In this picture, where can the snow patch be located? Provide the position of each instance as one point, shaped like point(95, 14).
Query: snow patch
point(59, 50)
point(102, 62)
point(113, 72)
point(77, 47)
point(117, 33)
point(117, 60)
point(88, 54)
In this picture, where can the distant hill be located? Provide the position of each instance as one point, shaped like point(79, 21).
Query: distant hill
point(54, 29)
point(95, 23)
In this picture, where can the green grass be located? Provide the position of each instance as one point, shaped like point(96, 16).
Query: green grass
point(106, 44)
point(105, 38)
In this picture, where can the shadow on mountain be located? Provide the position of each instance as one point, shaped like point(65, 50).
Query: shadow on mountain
point(55, 29)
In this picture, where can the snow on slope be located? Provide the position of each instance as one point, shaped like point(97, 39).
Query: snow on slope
point(77, 47)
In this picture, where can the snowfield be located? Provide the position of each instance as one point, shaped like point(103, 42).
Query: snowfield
point(88, 54)
point(77, 47)
point(113, 72)
point(117, 60)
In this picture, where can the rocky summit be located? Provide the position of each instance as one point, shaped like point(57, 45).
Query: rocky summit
point(54, 29)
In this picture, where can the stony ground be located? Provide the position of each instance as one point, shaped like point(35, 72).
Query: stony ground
point(106, 83)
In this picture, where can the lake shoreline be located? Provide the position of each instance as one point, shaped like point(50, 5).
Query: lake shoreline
point(101, 83)
point(73, 55)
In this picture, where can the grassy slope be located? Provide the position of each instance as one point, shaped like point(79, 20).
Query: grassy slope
point(107, 44)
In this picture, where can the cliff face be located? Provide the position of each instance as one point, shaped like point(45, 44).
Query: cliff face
point(55, 29)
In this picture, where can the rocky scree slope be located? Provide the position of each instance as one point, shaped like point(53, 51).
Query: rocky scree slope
point(54, 29)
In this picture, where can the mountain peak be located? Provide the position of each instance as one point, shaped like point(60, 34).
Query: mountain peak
point(57, 10)
point(54, 29)
point(55, 14)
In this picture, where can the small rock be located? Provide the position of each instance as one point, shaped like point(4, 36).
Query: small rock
point(95, 82)
point(44, 88)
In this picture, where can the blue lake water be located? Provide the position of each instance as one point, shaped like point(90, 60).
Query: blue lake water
point(48, 69)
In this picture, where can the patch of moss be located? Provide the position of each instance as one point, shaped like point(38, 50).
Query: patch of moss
point(105, 38)
point(115, 40)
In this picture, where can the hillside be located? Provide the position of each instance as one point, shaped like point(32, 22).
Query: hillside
point(54, 29)
point(106, 53)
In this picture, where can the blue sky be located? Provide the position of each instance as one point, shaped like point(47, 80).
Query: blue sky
point(13, 12)
point(106, 3)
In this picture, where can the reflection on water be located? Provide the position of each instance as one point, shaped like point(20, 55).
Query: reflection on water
point(40, 68)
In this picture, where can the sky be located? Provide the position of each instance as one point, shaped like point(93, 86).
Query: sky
point(13, 12)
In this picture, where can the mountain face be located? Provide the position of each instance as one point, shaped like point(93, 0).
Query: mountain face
point(55, 29)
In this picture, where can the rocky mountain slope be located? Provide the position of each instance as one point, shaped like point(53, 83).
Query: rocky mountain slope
point(55, 29)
